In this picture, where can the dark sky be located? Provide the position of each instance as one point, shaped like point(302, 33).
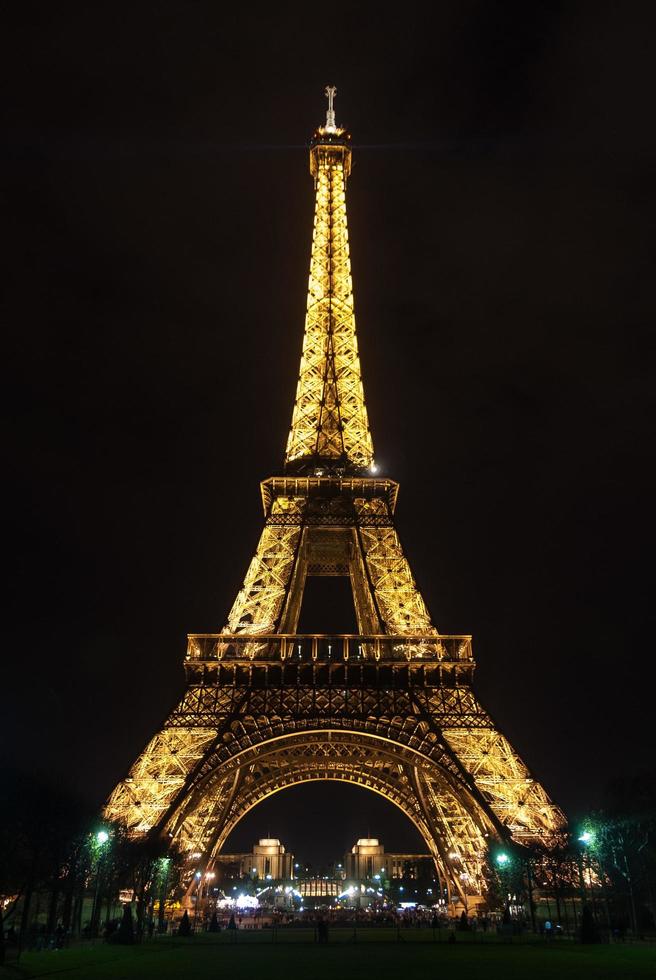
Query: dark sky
point(157, 212)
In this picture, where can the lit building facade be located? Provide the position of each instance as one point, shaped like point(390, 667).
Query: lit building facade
point(317, 887)
point(271, 860)
point(267, 860)
point(367, 859)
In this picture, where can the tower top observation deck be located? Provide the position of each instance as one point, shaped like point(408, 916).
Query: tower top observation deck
point(330, 143)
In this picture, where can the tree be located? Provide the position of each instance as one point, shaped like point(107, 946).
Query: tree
point(41, 834)
point(621, 848)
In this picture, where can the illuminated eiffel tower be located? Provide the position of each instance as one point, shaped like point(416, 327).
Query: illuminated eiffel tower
point(391, 708)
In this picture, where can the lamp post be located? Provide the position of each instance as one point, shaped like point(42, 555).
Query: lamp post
point(199, 877)
point(529, 883)
point(164, 864)
point(503, 862)
point(586, 839)
point(587, 842)
point(99, 843)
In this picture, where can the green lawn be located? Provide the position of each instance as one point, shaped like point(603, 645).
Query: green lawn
point(376, 954)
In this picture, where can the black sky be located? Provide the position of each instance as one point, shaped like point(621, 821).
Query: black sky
point(157, 212)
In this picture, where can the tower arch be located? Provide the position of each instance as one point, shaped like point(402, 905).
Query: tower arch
point(451, 819)
point(445, 869)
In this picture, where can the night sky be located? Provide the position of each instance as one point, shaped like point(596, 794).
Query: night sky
point(157, 211)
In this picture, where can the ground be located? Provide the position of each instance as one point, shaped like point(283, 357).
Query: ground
point(377, 954)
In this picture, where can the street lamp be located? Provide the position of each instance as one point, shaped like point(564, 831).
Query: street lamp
point(587, 840)
point(164, 865)
point(199, 877)
point(101, 838)
point(505, 865)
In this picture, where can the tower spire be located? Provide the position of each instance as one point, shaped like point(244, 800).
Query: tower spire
point(330, 429)
point(331, 92)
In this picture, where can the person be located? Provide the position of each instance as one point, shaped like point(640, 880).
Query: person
point(232, 924)
point(589, 933)
point(322, 930)
point(184, 928)
point(547, 929)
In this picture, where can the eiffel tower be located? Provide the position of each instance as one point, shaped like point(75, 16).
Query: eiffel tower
point(391, 708)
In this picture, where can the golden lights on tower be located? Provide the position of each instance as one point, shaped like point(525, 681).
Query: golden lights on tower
point(392, 708)
point(329, 423)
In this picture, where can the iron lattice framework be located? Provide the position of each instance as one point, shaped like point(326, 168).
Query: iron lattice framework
point(391, 709)
point(329, 422)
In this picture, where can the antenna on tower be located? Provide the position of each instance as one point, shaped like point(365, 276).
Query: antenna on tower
point(331, 92)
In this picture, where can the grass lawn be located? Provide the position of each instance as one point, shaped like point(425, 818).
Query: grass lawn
point(375, 954)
